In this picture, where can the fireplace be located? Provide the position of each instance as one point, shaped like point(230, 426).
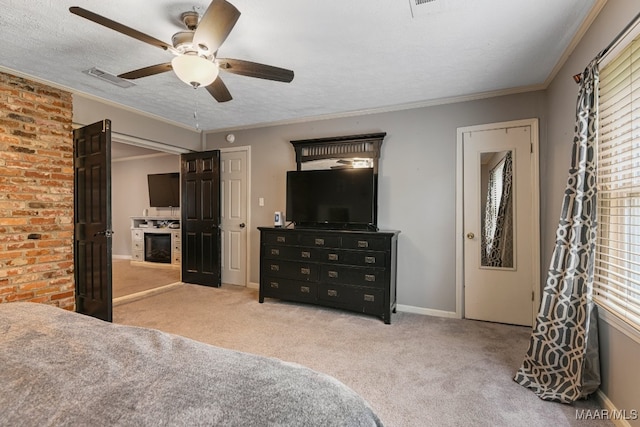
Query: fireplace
point(157, 247)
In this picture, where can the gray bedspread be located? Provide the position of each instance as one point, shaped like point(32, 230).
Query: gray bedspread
point(62, 368)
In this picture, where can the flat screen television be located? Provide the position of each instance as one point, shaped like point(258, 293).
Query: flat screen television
point(332, 198)
point(164, 190)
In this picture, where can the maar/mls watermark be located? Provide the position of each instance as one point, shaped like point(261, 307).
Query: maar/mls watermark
point(607, 414)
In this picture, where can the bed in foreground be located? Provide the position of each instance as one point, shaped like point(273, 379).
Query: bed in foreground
point(63, 368)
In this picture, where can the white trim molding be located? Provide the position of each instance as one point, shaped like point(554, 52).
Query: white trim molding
point(426, 311)
point(613, 414)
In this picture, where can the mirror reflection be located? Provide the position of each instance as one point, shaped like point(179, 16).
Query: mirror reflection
point(338, 163)
point(497, 210)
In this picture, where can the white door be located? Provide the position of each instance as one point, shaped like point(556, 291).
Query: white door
point(233, 208)
point(500, 222)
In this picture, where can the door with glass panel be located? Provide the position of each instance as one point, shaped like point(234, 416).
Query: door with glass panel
point(500, 216)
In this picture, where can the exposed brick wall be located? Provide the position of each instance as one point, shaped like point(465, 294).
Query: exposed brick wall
point(36, 193)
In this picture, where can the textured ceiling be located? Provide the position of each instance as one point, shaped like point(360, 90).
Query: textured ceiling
point(348, 56)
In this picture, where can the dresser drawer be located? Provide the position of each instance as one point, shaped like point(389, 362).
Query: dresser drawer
point(320, 240)
point(280, 238)
point(349, 257)
point(290, 269)
point(137, 245)
point(137, 234)
point(365, 242)
point(285, 288)
point(292, 253)
point(365, 300)
point(374, 277)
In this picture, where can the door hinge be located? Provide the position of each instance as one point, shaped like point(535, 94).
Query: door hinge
point(533, 295)
point(531, 146)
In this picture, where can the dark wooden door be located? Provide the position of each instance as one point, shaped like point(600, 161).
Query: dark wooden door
point(92, 220)
point(200, 207)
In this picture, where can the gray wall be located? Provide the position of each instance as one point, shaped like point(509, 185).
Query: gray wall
point(620, 353)
point(130, 194)
point(126, 122)
point(417, 181)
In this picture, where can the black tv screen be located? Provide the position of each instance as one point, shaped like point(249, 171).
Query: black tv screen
point(164, 190)
point(334, 198)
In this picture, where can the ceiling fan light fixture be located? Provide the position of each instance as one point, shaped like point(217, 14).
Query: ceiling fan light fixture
point(194, 70)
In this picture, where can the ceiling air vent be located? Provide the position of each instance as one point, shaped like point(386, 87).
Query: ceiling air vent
point(103, 75)
point(425, 7)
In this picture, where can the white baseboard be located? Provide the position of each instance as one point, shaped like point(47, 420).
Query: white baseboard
point(618, 421)
point(426, 311)
point(252, 285)
point(143, 294)
point(121, 256)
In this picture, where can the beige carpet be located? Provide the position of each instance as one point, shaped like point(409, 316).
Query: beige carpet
point(418, 371)
point(130, 279)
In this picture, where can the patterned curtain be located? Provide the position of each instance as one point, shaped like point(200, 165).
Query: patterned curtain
point(562, 362)
point(497, 235)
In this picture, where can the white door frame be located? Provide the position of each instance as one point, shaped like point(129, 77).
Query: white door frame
point(247, 149)
point(535, 203)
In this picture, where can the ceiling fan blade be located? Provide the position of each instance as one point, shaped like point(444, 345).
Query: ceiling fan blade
point(216, 24)
point(106, 22)
point(253, 69)
point(219, 90)
point(147, 71)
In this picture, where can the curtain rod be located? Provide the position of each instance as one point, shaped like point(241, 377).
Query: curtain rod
point(578, 77)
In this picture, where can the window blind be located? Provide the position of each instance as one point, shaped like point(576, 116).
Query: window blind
point(617, 267)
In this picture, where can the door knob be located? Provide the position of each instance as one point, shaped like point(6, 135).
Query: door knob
point(242, 225)
point(470, 235)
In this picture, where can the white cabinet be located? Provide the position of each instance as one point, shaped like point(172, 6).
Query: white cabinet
point(156, 241)
point(137, 245)
point(176, 248)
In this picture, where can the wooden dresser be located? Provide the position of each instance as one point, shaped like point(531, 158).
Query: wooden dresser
point(352, 270)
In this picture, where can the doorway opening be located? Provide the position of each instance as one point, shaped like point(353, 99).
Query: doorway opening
point(131, 162)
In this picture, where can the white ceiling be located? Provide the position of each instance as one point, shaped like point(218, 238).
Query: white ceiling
point(348, 56)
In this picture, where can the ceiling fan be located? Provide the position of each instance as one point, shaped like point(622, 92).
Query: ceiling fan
point(195, 50)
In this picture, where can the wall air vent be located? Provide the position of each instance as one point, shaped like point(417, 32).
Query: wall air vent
point(107, 77)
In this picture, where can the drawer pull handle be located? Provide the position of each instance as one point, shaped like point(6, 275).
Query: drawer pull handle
point(333, 257)
point(319, 242)
point(305, 254)
point(363, 244)
point(281, 239)
point(370, 277)
point(275, 267)
point(305, 289)
point(305, 270)
point(275, 251)
point(274, 285)
point(369, 298)
point(333, 274)
point(332, 292)
point(370, 260)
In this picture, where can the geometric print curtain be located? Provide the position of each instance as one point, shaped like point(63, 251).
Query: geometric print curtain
point(562, 363)
point(497, 233)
